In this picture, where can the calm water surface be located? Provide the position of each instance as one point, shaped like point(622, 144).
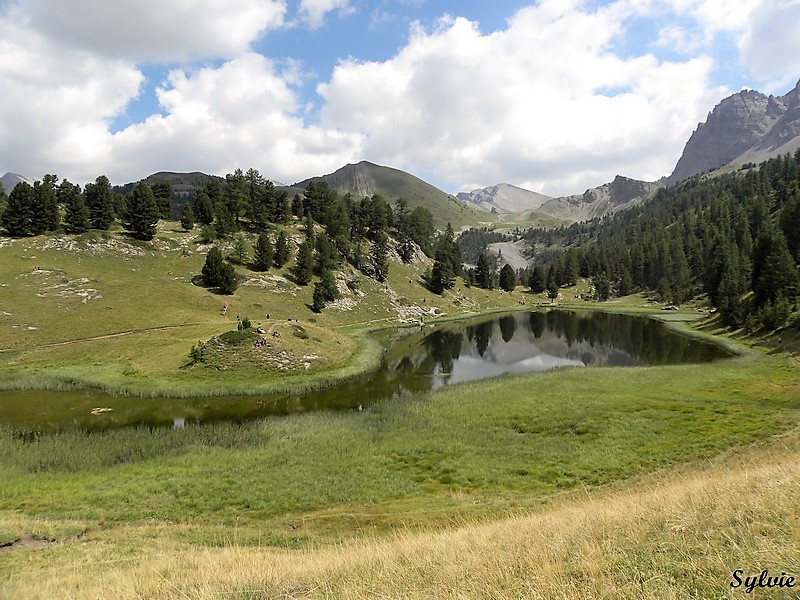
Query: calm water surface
point(415, 361)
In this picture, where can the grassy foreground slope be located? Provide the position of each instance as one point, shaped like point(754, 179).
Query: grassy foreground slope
point(650, 482)
point(103, 310)
point(677, 534)
point(565, 452)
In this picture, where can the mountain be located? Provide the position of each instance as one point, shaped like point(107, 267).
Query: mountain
point(606, 199)
point(503, 198)
point(742, 128)
point(368, 179)
point(10, 180)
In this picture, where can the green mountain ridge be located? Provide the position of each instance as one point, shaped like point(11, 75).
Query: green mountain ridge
point(367, 179)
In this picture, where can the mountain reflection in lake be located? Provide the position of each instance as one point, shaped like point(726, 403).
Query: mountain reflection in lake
point(415, 361)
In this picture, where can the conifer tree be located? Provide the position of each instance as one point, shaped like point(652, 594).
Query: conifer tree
point(162, 191)
point(228, 283)
point(141, 212)
point(212, 269)
point(304, 263)
point(282, 250)
point(76, 213)
point(483, 272)
point(100, 200)
point(508, 278)
point(264, 254)
point(380, 256)
point(45, 215)
point(18, 216)
point(537, 280)
point(187, 218)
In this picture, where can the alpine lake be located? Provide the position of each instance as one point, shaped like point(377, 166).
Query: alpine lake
point(415, 361)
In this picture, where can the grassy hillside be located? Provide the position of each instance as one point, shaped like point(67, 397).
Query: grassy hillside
point(653, 482)
point(108, 311)
point(526, 486)
point(366, 179)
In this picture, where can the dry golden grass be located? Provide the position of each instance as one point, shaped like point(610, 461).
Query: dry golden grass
point(676, 534)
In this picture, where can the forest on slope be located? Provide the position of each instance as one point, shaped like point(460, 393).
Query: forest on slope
point(734, 238)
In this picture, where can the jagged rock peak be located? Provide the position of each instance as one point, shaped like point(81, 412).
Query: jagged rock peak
point(745, 125)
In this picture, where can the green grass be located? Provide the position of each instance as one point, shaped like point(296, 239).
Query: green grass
point(463, 451)
point(104, 312)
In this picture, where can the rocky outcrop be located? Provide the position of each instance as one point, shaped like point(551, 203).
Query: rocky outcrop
point(606, 199)
point(745, 127)
point(10, 180)
point(503, 198)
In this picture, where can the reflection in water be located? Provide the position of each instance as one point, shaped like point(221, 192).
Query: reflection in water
point(416, 362)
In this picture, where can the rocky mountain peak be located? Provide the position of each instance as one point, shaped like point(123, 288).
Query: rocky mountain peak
point(744, 127)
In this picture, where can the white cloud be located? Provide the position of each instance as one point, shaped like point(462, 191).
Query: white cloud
point(56, 104)
point(218, 119)
point(543, 104)
point(313, 12)
point(769, 46)
point(153, 30)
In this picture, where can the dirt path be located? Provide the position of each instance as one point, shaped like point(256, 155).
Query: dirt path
point(108, 336)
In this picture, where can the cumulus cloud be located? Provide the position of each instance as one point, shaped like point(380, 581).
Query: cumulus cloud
point(547, 103)
point(153, 30)
point(544, 104)
point(56, 103)
point(769, 45)
point(240, 114)
point(313, 12)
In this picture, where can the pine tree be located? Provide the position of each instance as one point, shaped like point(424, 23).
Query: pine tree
point(318, 298)
point(228, 283)
point(76, 213)
point(441, 276)
point(282, 250)
point(380, 256)
point(328, 284)
point(44, 216)
point(508, 278)
point(304, 263)
point(100, 200)
point(187, 218)
point(203, 207)
point(483, 272)
point(141, 212)
point(264, 254)
point(241, 250)
point(18, 216)
point(212, 269)
point(537, 280)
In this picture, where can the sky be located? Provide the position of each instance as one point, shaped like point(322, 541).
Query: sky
point(554, 96)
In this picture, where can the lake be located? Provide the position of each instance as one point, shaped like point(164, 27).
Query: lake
point(416, 360)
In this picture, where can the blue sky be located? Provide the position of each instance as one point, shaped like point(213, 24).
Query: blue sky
point(555, 95)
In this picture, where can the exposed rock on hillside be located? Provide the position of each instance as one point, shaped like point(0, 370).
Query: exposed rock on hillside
point(606, 199)
point(503, 198)
point(745, 127)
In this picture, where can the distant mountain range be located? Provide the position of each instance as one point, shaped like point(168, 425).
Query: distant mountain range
point(747, 127)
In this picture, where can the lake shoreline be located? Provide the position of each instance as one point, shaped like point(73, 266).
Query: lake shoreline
point(363, 361)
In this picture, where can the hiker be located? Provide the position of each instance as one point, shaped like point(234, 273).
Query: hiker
point(224, 310)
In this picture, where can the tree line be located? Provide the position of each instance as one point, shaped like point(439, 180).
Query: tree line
point(734, 238)
point(48, 205)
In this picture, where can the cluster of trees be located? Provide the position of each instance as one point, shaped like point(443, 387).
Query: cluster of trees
point(734, 238)
point(48, 205)
point(336, 229)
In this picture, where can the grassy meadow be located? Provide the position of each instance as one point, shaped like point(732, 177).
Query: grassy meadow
point(645, 482)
